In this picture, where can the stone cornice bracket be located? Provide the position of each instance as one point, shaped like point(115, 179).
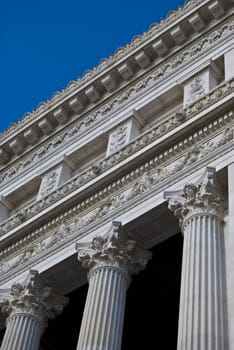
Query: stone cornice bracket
point(32, 297)
point(201, 197)
point(114, 250)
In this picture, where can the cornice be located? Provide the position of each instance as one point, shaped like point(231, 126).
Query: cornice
point(82, 125)
point(139, 144)
point(103, 67)
point(152, 176)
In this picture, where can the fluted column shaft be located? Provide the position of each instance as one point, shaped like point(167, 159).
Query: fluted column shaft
point(103, 316)
point(23, 332)
point(111, 260)
point(201, 324)
point(199, 208)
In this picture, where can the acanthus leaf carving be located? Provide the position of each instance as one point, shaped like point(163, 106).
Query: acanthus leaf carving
point(32, 296)
point(113, 249)
point(201, 197)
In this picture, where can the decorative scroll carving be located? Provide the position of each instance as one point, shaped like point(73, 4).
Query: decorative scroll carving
point(114, 249)
point(199, 197)
point(158, 73)
point(32, 297)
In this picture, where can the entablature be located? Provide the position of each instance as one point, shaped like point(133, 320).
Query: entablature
point(135, 192)
point(105, 169)
point(153, 167)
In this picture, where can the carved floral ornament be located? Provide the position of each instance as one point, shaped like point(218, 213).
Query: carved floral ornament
point(113, 250)
point(32, 297)
point(107, 109)
point(89, 75)
point(201, 197)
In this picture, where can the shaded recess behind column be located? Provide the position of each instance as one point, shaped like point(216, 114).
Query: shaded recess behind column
point(152, 306)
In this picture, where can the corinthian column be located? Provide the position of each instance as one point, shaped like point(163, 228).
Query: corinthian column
point(29, 305)
point(201, 318)
point(111, 260)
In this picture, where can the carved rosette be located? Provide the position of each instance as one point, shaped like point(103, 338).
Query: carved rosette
point(32, 297)
point(196, 198)
point(113, 250)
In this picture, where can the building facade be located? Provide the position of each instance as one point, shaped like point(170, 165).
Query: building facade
point(131, 163)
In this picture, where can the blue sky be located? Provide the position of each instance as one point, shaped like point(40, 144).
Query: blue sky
point(46, 43)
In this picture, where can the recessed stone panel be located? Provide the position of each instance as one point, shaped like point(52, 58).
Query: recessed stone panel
point(5, 207)
point(61, 115)
point(31, 136)
point(46, 126)
point(109, 82)
point(178, 34)
point(229, 64)
point(4, 156)
point(93, 94)
point(76, 104)
point(216, 8)
point(17, 145)
point(160, 47)
point(143, 59)
point(196, 22)
point(126, 71)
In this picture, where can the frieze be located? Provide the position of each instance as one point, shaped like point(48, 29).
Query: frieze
point(73, 131)
point(112, 160)
point(103, 65)
point(141, 181)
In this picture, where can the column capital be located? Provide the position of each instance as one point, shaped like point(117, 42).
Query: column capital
point(200, 197)
point(114, 249)
point(32, 297)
